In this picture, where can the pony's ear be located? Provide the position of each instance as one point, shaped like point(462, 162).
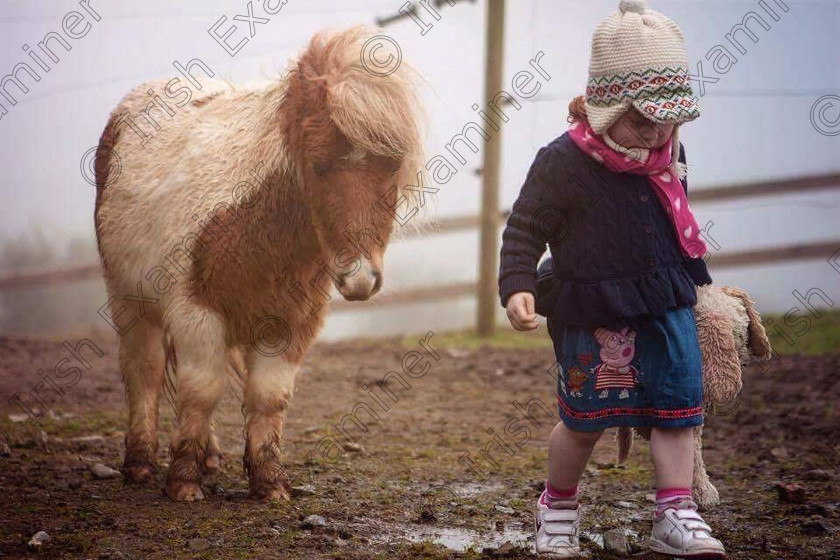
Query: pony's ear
point(758, 342)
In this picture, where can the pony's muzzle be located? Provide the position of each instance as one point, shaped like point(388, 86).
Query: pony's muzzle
point(361, 285)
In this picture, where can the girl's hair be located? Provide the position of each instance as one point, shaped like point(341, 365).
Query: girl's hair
point(577, 109)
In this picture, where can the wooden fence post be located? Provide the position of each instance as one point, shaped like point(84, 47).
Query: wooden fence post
point(487, 269)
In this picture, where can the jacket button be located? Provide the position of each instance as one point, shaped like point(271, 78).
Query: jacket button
point(648, 228)
point(643, 198)
point(650, 263)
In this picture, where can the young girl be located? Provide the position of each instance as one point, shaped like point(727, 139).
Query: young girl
point(609, 198)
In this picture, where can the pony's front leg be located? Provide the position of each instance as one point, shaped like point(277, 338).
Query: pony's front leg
point(199, 339)
point(268, 391)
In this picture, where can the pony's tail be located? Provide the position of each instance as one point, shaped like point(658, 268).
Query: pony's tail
point(625, 442)
point(170, 369)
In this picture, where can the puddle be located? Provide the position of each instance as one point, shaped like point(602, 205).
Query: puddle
point(460, 539)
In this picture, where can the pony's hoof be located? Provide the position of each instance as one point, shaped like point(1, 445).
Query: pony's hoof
point(137, 473)
point(184, 491)
point(267, 493)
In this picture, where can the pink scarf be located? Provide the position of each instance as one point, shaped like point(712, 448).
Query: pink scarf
point(662, 177)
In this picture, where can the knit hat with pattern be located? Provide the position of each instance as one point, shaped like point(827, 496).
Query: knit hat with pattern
point(638, 59)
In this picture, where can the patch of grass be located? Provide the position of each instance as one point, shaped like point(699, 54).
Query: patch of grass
point(821, 337)
point(505, 338)
point(99, 422)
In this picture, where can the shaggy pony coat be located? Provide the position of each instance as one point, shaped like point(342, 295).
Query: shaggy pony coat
point(247, 204)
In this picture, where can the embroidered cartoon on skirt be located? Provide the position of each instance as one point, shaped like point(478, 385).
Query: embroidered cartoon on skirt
point(615, 371)
point(646, 373)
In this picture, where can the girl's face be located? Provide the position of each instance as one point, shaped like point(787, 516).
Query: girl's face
point(633, 130)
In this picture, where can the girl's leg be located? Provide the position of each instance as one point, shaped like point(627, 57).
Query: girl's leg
point(672, 452)
point(557, 518)
point(568, 453)
point(678, 530)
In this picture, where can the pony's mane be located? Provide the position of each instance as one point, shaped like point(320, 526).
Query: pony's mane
point(379, 114)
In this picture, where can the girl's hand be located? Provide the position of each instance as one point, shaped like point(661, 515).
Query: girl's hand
point(520, 311)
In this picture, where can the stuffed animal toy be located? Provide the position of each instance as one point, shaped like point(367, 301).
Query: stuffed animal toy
point(731, 336)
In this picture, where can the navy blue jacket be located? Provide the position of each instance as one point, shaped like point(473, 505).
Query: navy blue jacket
point(614, 252)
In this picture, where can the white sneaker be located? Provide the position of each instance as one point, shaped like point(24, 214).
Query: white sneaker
point(557, 532)
point(682, 532)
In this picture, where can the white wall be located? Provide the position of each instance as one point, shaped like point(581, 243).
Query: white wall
point(755, 123)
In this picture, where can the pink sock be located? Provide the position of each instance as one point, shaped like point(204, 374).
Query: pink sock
point(670, 497)
point(559, 498)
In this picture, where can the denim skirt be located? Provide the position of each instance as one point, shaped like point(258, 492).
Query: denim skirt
point(646, 374)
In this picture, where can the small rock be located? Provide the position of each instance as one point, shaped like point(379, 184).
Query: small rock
point(790, 493)
point(780, 453)
point(818, 474)
point(99, 470)
point(504, 509)
point(198, 545)
point(303, 490)
point(507, 549)
point(813, 528)
point(339, 542)
point(313, 521)
point(5, 450)
point(311, 430)
point(615, 541)
point(17, 418)
point(352, 447)
point(651, 497)
point(38, 540)
point(625, 505)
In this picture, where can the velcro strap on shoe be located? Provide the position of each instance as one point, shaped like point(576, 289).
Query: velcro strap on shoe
point(561, 531)
point(560, 515)
point(687, 514)
point(697, 525)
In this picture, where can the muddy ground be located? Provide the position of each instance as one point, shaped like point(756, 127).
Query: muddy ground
point(403, 493)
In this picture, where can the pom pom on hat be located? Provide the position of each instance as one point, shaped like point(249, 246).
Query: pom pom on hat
point(636, 6)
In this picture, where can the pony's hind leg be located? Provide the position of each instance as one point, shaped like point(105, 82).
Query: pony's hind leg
point(268, 391)
point(142, 363)
point(198, 337)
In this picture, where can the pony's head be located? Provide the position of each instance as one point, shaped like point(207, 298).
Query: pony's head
point(354, 139)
